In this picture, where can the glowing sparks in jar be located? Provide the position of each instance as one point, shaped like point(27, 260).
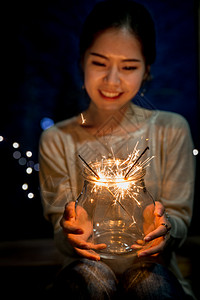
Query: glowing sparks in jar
point(120, 177)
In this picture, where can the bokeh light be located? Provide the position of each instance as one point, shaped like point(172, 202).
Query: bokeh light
point(25, 186)
point(29, 170)
point(46, 123)
point(30, 195)
point(22, 161)
point(195, 152)
point(15, 145)
point(17, 154)
point(28, 153)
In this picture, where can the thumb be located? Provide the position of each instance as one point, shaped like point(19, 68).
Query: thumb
point(69, 212)
point(159, 209)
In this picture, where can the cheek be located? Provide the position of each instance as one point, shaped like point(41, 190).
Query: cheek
point(134, 81)
point(91, 78)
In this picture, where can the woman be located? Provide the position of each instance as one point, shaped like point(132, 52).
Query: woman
point(117, 48)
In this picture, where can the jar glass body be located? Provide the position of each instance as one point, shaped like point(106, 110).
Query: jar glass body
point(120, 212)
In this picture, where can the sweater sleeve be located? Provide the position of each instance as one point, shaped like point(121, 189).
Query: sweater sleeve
point(178, 178)
point(55, 182)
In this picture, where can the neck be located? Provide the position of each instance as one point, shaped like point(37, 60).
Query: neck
point(97, 117)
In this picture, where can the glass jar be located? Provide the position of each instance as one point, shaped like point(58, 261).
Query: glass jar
point(119, 210)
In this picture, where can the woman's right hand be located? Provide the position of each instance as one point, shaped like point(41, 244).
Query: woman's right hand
point(78, 228)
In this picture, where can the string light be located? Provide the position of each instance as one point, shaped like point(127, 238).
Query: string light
point(195, 152)
point(30, 195)
point(25, 186)
point(29, 170)
point(23, 161)
point(28, 153)
point(15, 145)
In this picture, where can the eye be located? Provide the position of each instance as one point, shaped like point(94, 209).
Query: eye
point(129, 68)
point(97, 63)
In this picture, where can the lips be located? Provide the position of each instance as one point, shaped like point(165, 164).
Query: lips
point(111, 95)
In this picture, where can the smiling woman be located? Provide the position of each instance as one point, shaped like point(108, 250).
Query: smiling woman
point(114, 69)
point(117, 48)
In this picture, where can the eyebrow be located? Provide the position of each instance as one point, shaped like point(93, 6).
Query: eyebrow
point(124, 60)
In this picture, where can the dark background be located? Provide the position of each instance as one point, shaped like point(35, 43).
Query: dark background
point(41, 79)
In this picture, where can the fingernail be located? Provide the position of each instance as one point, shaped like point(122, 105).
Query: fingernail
point(147, 238)
point(158, 214)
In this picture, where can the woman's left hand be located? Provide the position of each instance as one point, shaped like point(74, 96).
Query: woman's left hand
point(157, 229)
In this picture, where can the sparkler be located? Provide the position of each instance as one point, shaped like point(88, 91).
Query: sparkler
point(88, 166)
point(125, 177)
point(119, 175)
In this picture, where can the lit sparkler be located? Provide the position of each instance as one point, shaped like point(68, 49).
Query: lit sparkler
point(120, 177)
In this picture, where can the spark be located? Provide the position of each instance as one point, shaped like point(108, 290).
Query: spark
point(121, 178)
point(83, 119)
point(125, 177)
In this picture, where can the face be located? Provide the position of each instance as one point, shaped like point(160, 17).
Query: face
point(114, 69)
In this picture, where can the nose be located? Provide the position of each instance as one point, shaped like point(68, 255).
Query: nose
point(112, 76)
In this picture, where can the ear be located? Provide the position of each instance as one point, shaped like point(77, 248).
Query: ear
point(147, 73)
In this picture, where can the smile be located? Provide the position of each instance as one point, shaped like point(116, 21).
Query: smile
point(110, 94)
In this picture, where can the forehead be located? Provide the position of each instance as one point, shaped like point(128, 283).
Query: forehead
point(116, 41)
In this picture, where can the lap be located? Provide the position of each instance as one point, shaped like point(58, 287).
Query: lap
point(86, 279)
point(152, 281)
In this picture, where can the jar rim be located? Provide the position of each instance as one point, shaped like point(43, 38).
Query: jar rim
point(112, 171)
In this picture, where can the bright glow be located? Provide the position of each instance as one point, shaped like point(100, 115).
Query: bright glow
point(29, 170)
point(15, 145)
point(28, 153)
point(25, 186)
point(112, 175)
point(195, 152)
point(1, 138)
point(16, 154)
point(83, 120)
point(30, 195)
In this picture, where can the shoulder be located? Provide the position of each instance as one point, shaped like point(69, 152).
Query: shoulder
point(58, 130)
point(61, 127)
point(173, 127)
point(170, 119)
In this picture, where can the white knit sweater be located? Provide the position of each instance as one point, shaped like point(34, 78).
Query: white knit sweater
point(169, 178)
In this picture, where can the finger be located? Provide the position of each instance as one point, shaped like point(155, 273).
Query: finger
point(88, 254)
point(153, 250)
point(69, 227)
point(97, 246)
point(136, 246)
point(75, 241)
point(159, 209)
point(159, 231)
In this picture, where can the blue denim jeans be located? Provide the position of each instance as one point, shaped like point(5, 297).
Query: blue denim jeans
point(90, 280)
